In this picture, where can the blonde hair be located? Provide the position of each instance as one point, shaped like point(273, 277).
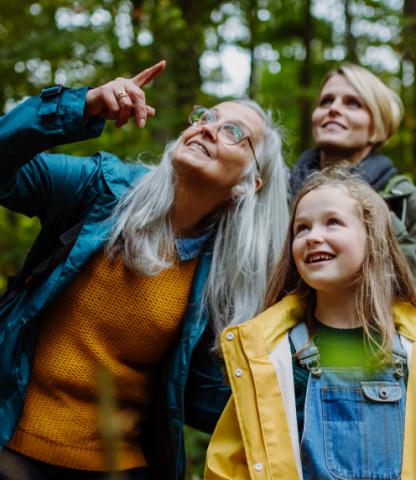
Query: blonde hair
point(384, 277)
point(385, 106)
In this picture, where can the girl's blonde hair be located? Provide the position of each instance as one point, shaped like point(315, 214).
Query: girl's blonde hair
point(384, 277)
point(385, 106)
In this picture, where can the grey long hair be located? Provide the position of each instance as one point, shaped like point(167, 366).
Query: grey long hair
point(250, 230)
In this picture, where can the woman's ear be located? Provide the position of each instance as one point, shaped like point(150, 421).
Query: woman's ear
point(259, 183)
point(237, 191)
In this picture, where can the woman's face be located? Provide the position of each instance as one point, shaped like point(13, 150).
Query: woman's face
point(202, 158)
point(342, 121)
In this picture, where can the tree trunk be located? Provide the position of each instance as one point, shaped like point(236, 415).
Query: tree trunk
point(409, 55)
point(252, 25)
point(305, 77)
point(349, 37)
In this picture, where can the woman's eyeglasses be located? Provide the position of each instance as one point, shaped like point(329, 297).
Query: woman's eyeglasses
point(228, 133)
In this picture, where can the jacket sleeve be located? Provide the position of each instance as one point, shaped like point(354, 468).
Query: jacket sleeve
point(226, 459)
point(28, 176)
point(206, 393)
point(404, 224)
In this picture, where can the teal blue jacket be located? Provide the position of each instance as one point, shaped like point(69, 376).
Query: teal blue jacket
point(63, 191)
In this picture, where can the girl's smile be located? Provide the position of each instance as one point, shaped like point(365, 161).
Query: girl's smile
point(318, 257)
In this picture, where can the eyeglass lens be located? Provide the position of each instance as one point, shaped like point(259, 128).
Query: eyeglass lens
point(228, 132)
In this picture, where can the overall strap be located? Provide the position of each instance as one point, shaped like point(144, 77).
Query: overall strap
point(398, 349)
point(309, 354)
point(399, 356)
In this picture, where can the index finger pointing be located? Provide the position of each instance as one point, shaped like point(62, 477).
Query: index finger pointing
point(143, 78)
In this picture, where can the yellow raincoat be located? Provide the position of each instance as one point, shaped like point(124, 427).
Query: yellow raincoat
point(256, 436)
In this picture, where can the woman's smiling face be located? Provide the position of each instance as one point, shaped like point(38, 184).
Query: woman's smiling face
point(201, 156)
point(342, 120)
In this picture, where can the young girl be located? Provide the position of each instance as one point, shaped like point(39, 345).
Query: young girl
point(324, 381)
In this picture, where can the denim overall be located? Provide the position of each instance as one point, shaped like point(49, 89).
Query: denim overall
point(354, 417)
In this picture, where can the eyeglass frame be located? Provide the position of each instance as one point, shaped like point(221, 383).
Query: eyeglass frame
point(245, 137)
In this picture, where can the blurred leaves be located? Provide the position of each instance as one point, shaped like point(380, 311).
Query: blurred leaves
point(196, 444)
point(16, 236)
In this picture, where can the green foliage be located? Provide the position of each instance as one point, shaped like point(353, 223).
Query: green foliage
point(17, 234)
point(196, 444)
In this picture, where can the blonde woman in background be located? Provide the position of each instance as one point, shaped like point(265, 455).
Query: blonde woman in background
point(356, 114)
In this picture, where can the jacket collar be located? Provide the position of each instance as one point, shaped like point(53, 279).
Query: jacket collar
point(404, 315)
point(277, 320)
point(119, 176)
point(375, 169)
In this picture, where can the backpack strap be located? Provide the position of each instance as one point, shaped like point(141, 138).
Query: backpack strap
point(396, 193)
point(398, 186)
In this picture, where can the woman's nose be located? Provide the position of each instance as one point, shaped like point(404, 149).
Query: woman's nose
point(210, 129)
point(335, 107)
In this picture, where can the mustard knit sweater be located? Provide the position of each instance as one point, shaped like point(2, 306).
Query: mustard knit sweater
point(107, 316)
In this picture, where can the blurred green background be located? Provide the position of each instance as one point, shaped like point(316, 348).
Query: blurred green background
point(275, 51)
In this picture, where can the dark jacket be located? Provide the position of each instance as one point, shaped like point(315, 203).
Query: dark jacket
point(398, 191)
point(64, 192)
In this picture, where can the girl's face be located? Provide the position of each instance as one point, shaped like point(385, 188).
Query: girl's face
point(342, 120)
point(329, 239)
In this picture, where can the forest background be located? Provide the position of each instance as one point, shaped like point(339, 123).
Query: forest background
point(275, 51)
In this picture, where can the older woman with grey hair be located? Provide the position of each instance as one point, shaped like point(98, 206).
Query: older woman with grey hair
point(137, 269)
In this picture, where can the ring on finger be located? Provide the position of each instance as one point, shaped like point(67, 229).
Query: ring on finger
point(121, 95)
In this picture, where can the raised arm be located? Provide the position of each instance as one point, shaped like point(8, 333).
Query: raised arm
point(60, 115)
point(31, 179)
